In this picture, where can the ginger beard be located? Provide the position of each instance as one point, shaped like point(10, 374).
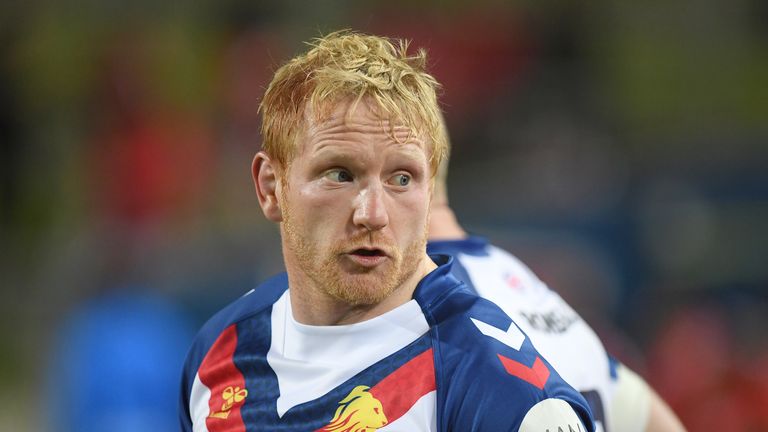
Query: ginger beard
point(354, 285)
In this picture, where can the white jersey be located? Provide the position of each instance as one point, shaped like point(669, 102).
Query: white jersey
point(555, 329)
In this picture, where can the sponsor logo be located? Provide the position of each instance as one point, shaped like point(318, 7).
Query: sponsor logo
point(358, 412)
point(570, 429)
point(232, 396)
point(550, 322)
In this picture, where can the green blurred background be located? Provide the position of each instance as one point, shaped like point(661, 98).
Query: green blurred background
point(619, 148)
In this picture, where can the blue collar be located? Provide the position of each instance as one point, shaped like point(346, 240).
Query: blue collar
point(471, 245)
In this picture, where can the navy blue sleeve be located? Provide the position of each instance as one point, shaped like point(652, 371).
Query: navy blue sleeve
point(490, 377)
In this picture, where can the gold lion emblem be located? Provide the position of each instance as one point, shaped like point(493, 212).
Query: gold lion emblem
point(358, 412)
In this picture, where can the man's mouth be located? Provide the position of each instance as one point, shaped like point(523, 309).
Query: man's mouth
point(367, 257)
point(369, 252)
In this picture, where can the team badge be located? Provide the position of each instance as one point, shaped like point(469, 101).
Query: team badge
point(358, 412)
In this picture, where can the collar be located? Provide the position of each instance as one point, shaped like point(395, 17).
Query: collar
point(471, 245)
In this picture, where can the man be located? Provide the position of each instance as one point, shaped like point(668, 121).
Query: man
point(365, 331)
point(621, 401)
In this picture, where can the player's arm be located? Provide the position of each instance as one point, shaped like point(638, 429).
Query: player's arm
point(551, 415)
point(518, 391)
point(636, 407)
point(185, 420)
point(661, 417)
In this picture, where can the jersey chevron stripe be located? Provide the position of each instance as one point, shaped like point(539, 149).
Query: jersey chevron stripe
point(400, 390)
point(538, 374)
point(221, 376)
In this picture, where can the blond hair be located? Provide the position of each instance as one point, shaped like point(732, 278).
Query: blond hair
point(349, 65)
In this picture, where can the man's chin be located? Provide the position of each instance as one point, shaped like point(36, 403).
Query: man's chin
point(362, 289)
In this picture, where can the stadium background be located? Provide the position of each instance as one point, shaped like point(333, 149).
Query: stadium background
point(619, 148)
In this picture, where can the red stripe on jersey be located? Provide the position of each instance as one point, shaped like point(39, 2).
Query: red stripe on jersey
point(227, 384)
point(538, 374)
point(400, 390)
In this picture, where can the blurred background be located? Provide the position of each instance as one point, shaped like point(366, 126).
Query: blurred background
point(618, 148)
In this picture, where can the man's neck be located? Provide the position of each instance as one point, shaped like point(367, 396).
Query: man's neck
point(443, 224)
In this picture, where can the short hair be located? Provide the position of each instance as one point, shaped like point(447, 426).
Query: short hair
point(349, 65)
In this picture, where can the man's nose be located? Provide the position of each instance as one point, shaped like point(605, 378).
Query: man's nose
point(370, 209)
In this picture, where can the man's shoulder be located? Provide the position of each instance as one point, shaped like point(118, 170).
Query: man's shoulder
point(484, 335)
point(486, 268)
point(488, 367)
point(250, 304)
point(465, 323)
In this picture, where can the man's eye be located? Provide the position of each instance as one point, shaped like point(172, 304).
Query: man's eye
point(339, 175)
point(401, 180)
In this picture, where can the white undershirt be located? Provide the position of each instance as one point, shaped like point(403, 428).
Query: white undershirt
point(310, 361)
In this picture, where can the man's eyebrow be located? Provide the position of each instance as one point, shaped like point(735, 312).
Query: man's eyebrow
point(335, 156)
point(328, 146)
point(411, 142)
point(413, 150)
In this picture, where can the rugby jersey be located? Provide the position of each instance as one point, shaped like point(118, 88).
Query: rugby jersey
point(447, 360)
point(555, 329)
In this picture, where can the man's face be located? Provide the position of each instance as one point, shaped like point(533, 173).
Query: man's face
point(355, 205)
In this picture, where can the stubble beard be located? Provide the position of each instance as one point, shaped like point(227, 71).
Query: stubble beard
point(357, 288)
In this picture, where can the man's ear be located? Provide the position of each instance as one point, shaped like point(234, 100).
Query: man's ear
point(265, 179)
